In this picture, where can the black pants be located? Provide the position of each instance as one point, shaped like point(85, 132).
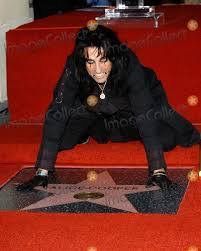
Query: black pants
point(119, 127)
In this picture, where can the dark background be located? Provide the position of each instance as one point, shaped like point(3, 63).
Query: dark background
point(44, 8)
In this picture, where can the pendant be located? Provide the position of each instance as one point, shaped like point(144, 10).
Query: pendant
point(102, 96)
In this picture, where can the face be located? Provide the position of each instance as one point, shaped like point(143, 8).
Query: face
point(97, 66)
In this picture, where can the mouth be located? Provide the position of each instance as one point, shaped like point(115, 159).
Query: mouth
point(99, 77)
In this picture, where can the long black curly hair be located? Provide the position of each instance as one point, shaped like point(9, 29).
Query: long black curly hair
point(117, 52)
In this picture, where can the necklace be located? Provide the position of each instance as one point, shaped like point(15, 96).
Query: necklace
point(102, 95)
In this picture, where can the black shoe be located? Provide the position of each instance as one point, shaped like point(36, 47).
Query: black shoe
point(160, 180)
point(29, 185)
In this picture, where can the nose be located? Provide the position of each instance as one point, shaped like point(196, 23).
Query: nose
point(98, 68)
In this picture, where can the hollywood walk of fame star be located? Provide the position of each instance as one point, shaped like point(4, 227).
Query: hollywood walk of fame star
point(114, 195)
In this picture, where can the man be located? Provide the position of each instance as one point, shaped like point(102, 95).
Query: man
point(104, 83)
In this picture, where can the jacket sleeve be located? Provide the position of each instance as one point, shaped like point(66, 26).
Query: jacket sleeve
point(57, 116)
point(142, 105)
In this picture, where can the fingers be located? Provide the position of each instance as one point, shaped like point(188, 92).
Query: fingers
point(160, 180)
point(36, 181)
point(24, 187)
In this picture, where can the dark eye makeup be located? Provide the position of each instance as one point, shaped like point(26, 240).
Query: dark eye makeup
point(89, 61)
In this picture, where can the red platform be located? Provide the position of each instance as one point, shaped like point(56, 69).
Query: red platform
point(36, 53)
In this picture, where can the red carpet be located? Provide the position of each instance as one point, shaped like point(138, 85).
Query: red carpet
point(41, 231)
point(36, 54)
point(20, 143)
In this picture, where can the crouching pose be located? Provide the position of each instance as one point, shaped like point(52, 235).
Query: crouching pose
point(105, 93)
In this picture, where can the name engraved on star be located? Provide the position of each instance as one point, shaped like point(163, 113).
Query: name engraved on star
point(95, 187)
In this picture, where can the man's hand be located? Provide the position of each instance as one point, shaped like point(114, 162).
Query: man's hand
point(160, 179)
point(29, 185)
